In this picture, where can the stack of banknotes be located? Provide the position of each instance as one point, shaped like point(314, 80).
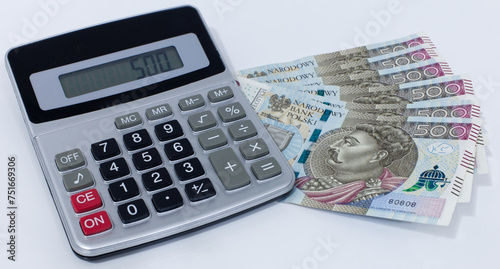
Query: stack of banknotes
point(384, 130)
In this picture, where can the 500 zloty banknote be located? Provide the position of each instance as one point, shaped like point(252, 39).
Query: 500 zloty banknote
point(410, 171)
point(340, 57)
point(433, 89)
point(454, 107)
point(400, 58)
point(429, 69)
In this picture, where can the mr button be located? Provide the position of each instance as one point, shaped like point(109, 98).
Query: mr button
point(70, 159)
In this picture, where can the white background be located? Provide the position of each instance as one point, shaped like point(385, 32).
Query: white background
point(276, 235)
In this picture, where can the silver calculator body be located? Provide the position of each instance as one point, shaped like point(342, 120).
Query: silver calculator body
point(141, 131)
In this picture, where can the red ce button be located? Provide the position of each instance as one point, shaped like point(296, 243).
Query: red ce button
point(86, 201)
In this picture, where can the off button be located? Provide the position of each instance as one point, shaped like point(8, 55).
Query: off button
point(69, 160)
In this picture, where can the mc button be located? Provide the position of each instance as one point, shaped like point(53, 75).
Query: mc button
point(70, 159)
point(128, 121)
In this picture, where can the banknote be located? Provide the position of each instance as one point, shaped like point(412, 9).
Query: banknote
point(443, 88)
point(326, 94)
point(456, 107)
point(407, 142)
point(400, 58)
point(429, 69)
point(433, 89)
point(288, 115)
point(437, 88)
point(411, 171)
point(340, 57)
point(390, 103)
point(481, 157)
point(444, 104)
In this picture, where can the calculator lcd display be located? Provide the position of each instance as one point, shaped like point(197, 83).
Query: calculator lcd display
point(120, 71)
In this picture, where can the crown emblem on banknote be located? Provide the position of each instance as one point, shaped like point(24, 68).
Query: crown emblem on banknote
point(278, 103)
point(257, 74)
point(431, 179)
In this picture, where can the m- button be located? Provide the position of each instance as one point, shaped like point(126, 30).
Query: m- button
point(128, 120)
point(191, 102)
point(70, 159)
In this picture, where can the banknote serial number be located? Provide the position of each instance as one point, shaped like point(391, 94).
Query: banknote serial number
point(402, 203)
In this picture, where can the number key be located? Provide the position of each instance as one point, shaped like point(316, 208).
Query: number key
point(133, 211)
point(156, 179)
point(137, 140)
point(178, 149)
point(114, 169)
point(123, 189)
point(146, 159)
point(189, 169)
point(105, 149)
point(168, 130)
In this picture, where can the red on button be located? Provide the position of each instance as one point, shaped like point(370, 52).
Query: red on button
point(95, 223)
point(86, 201)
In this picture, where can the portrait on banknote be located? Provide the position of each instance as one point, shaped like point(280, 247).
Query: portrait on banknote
point(356, 164)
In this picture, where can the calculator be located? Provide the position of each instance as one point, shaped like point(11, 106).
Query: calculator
point(142, 132)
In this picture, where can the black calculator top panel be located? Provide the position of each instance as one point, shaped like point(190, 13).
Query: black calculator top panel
point(102, 40)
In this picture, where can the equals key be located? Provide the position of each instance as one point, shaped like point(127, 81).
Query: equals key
point(266, 168)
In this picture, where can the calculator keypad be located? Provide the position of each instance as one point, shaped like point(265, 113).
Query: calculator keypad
point(140, 177)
